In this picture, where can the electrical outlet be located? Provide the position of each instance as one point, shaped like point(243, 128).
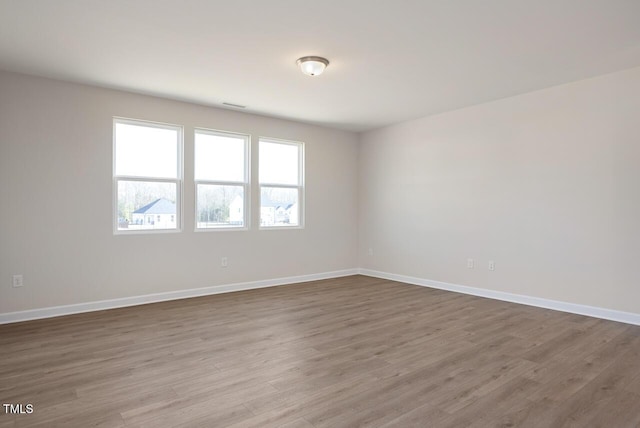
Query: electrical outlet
point(224, 262)
point(469, 263)
point(18, 281)
point(492, 265)
point(370, 252)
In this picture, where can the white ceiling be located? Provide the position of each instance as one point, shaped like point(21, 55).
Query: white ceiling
point(390, 60)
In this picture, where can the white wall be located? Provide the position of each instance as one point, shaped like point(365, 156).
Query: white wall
point(56, 201)
point(547, 184)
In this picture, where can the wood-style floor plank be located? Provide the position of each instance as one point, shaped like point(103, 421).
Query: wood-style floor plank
point(347, 352)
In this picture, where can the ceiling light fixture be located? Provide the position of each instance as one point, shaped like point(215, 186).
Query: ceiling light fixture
point(312, 65)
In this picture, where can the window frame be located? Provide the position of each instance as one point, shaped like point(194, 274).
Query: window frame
point(300, 186)
point(246, 184)
point(179, 180)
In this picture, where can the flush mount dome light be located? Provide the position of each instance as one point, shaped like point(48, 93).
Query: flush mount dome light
point(312, 65)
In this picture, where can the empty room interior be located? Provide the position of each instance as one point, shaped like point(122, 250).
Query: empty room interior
point(319, 214)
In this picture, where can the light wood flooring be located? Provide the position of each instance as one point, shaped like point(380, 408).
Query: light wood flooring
point(348, 352)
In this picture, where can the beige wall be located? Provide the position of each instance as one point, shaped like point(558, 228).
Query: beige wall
point(56, 201)
point(546, 184)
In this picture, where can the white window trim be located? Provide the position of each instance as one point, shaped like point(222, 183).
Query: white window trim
point(246, 184)
point(178, 181)
point(301, 184)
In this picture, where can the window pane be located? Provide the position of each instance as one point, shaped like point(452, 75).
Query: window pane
point(219, 157)
point(146, 205)
point(279, 207)
point(146, 151)
point(220, 206)
point(279, 163)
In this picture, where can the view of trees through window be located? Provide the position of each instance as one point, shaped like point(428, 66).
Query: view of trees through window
point(220, 205)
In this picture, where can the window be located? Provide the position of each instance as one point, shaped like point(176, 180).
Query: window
point(281, 176)
point(221, 176)
point(147, 175)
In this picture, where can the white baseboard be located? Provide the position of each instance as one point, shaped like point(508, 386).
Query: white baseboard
point(592, 311)
point(56, 311)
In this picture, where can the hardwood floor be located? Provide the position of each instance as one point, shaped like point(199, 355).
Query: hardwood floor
point(348, 352)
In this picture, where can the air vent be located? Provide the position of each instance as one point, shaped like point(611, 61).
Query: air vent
point(234, 105)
